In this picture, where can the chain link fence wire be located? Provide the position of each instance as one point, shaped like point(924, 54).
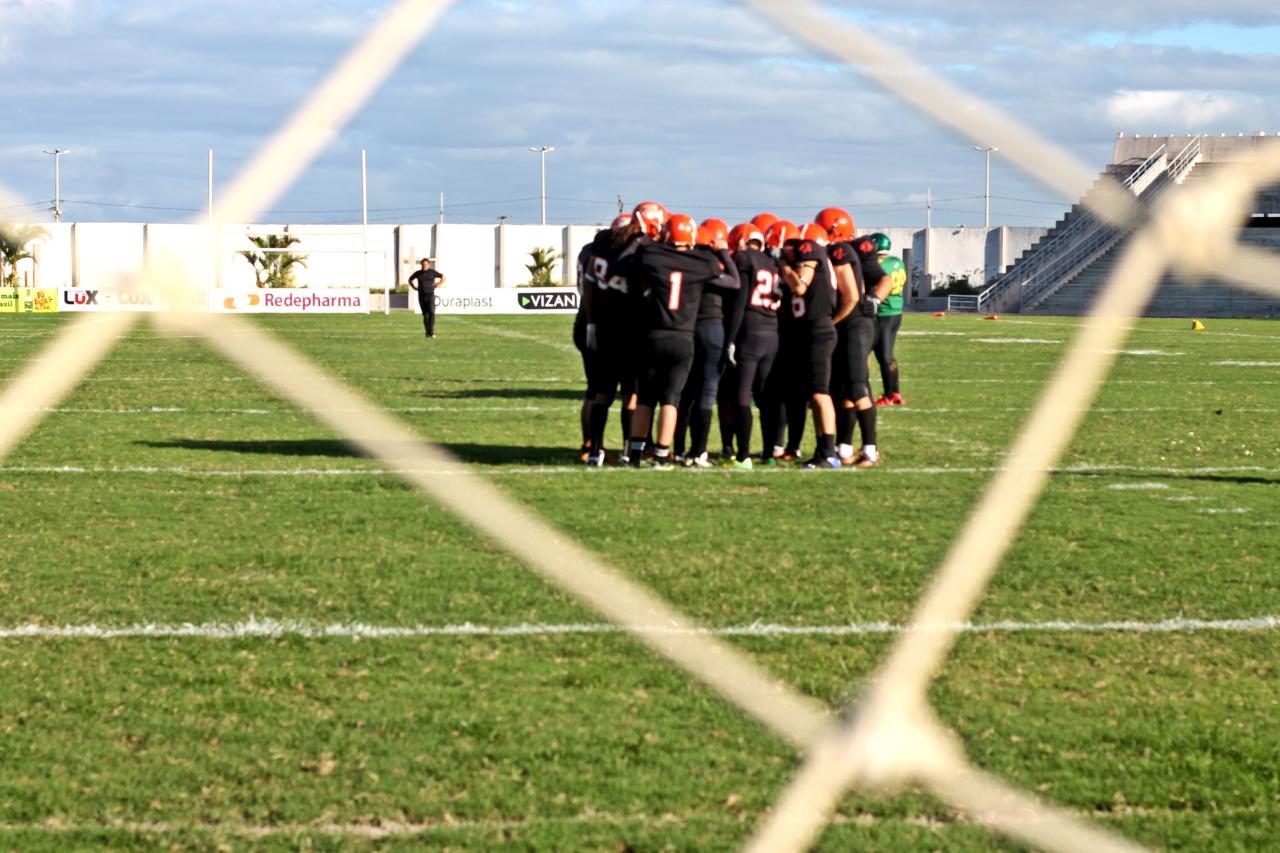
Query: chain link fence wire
point(891, 739)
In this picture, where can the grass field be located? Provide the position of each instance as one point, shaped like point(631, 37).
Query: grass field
point(171, 490)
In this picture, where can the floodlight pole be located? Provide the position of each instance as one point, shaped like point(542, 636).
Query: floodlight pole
point(543, 154)
point(57, 181)
point(986, 194)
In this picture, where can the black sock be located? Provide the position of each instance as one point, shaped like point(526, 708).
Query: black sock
point(682, 427)
point(699, 431)
point(743, 423)
point(844, 425)
point(891, 379)
point(768, 429)
point(728, 426)
point(826, 445)
point(797, 417)
point(599, 420)
point(625, 415)
point(661, 451)
point(867, 423)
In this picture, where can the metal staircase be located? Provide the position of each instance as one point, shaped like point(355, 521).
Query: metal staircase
point(1080, 240)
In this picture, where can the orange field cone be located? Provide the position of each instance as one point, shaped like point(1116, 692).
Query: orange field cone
point(939, 313)
point(993, 316)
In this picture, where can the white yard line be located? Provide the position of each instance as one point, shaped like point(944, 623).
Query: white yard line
point(571, 406)
point(520, 336)
point(172, 410)
point(271, 628)
point(1230, 363)
point(545, 470)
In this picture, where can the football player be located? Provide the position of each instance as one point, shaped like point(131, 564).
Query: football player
point(809, 275)
point(754, 346)
point(586, 291)
point(888, 322)
point(782, 403)
point(713, 329)
point(611, 330)
point(670, 276)
point(856, 400)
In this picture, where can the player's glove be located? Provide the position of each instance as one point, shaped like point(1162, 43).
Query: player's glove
point(875, 305)
point(593, 342)
point(729, 358)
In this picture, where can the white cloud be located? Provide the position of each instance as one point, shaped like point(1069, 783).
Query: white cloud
point(1174, 111)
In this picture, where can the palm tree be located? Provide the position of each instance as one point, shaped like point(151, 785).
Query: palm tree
point(14, 240)
point(275, 268)
point(542, 268)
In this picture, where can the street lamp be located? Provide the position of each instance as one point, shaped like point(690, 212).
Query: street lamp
point(57, 181)
point(543, 152)
point(986, 194)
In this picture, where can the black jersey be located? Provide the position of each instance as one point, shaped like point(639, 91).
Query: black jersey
point(671, 282)
point(871, 276)
point(819, 300)
point(613, 301)
point(586, 280)
point(844, 254)
point(761, 296)
point(712, 305)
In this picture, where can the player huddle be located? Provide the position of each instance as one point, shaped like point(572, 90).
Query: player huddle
point(677, 317)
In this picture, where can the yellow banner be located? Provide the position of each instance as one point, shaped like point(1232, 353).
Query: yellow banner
point(37, 300)
point(8, 300)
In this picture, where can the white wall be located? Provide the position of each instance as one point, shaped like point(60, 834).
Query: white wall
point(100, 254)
point(105, 254)
point(518, 241)
point(467, 255)
point(189, 249)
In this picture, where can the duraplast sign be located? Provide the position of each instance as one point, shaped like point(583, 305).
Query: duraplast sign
point(290, 301)
point(506, 300)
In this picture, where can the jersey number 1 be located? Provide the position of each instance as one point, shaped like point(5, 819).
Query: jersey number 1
point(676, 281)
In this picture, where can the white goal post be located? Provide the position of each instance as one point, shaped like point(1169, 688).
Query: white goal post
point(323, 262)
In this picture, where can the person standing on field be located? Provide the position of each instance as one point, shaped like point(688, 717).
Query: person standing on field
point(425, 282)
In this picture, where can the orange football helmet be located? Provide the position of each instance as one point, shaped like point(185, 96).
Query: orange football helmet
point(779, 233)
point(763, 221)
point(680, 230)
point(652, 216)
point(742, 234)
point(718, 227)
point(838, 223)
point(621, 221)
point(815, 232)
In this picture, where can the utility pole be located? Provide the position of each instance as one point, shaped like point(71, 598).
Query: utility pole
point(57, 181)
point(619, 205)
point(441, 208)
point(986, 193)
point(543, 153)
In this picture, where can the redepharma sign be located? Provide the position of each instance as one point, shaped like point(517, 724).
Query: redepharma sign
point(299, 301)
point(290, 301)
point(505, 300)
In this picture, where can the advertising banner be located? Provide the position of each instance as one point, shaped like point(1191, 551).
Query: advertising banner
point(37, 300)
point(90, 299)
point(8, 300)
point(292, 301)
point(504, 300)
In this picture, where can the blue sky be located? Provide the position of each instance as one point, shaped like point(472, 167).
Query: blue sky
point(703, 106)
